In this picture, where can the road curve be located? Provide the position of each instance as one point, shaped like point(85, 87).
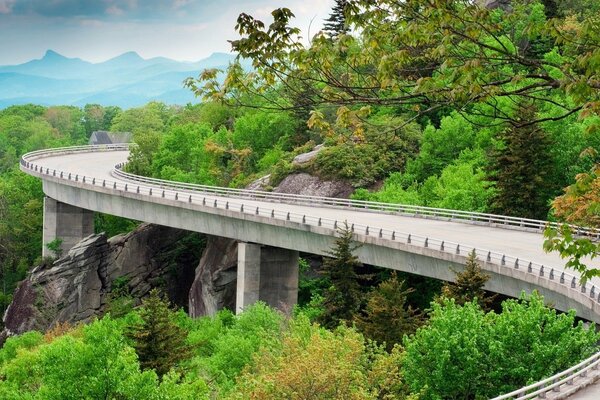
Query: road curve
point(525, 245)
point(97, 166)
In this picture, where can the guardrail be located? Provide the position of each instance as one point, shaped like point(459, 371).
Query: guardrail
point(402, 209)
point(200, 195)
point(478, 218)
point(555, 382)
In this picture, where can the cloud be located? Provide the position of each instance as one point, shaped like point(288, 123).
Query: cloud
point(6, 6)
point(96, 30)
point(114, 10)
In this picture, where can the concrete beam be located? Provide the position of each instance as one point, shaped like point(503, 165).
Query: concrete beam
point(65, 222)
point(268, 274)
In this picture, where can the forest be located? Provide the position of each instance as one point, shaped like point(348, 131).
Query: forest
point(441, 103)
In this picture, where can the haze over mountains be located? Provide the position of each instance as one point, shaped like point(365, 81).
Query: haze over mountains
point(126, 81)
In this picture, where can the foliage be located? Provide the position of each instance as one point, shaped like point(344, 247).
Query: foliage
point(461, 353)
point(468, 284)
point(580, 204)
point(362, 161)
point(520, 169)
point(55, 246)
point(387, 316)
point(319, 364)
point(98, 118)
point(112, 225)
point(228, 343)
point(441, 146)
point(418, 56)
point(158, 341)
point(119, 301)
point(466, 353)
point(335, 24)
point(576, 249)
point(462, 185)
point(90, 362)
point(344, 297)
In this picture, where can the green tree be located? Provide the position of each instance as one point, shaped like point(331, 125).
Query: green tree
point(580, 204)
point(421, 57)
point(86, 362)
point(468, 285)
point(98, 118)
point(520, 168)
point(158, 341)
point(440, 147)
point(55, 247)
point(465, 353)
point(343, 299)
point(68, 121)
point(387, 316)
point(314, 363)
point(336, 24)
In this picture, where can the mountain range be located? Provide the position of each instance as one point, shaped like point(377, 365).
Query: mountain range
point(126, 81)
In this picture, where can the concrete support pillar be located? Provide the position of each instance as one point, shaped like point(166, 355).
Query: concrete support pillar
point(65, 222)
point(269, 274)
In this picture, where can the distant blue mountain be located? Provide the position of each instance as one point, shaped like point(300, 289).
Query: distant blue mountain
point(126, 81)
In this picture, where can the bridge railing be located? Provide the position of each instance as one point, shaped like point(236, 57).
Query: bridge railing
point(556, 382)
point(187, 193)
point(402, 209)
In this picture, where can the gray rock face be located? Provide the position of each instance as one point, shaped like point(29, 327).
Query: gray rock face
point(305, 158)
point(75, 288)
point(214, 286)
point(310, 185)
point(260, 183)
point(492, 4)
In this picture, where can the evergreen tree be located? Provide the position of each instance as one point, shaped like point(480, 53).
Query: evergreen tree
point(469, 284)
point(159, 343)
point(335, 24)
point(521, 169)
point(343, 299)
point(387, 318)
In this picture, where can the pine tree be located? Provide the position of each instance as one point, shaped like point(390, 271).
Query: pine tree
point(343, 299)
point(522, 169)
point(335, 24)
point(387, 318)
point(469, 284)
point(158, 341)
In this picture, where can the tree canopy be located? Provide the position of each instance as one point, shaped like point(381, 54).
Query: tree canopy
point(420, 56)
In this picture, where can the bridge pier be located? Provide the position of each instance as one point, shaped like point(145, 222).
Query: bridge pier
point(268, 274)
point(65, 222)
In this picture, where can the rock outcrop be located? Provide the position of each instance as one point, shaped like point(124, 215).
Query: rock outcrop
point(214, 286)
point(311, 185)
point(76, 287)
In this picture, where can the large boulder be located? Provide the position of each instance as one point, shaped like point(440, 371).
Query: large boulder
point(75, 288)
point(310, 185)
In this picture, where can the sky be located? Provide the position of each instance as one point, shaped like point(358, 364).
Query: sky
point(97, 30)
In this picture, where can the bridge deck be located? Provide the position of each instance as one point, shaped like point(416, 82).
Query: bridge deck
point(522, 244)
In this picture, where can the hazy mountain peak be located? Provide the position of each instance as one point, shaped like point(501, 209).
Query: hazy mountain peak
point(126, 80)
point(130, 56)
point(52, 55)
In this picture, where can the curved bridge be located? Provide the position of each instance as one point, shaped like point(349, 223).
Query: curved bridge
point(425, 241)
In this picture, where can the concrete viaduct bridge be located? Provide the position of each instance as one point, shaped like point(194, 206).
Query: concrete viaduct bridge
point(272, 228)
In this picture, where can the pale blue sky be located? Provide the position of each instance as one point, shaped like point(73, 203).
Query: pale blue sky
point(96, 30)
